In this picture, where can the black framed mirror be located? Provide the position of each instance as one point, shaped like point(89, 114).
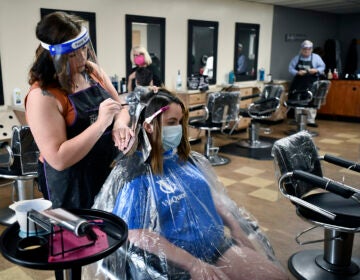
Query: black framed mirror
point(88, 17)
point(202, 48)
point(1, 87)
point(246, 51)
point(148, 32)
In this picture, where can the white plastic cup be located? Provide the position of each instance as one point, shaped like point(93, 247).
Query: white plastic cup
point(22, 208)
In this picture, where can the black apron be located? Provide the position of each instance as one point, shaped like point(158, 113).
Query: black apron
point(303, 83)
point(77, 186)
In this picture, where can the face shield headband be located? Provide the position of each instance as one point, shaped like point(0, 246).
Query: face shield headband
point(68, 46)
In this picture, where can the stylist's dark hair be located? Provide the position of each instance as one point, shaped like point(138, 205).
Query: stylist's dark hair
point(158, 100)
point(143, 76)
point(54, 28)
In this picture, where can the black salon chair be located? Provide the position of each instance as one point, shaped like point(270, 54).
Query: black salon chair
point(18, 163)
point(331, 205)
point(262, 108)
point(302, 101)
point(223, 110)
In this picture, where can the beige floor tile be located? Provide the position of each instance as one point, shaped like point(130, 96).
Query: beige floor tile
point(354, 140)
point(266, 194)
point(13, 273)
point(226, 181)
point(331, 141)
point(258, 182)
point(249, 171)
point(346, 135)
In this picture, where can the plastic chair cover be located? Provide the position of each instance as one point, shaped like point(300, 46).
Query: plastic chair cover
point(223, 106)
point(297, 152)
point(320, 90)
point(181, 206)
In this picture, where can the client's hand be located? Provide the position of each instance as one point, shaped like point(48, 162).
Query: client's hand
point(204, 271)
point(122, 135)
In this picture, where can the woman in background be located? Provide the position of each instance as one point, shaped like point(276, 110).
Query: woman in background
point(140, 57)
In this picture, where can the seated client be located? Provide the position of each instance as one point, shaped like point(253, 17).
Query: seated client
point(177, 210)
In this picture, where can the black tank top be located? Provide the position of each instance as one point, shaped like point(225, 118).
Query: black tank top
point(76, 186)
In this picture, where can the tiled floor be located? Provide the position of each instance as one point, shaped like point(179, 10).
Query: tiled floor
point(252, 185)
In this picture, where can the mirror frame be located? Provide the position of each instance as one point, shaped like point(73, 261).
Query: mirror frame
point(129, 19)
point(239, 26)
point(87, 16)
point(1, 87)
point(202, 23)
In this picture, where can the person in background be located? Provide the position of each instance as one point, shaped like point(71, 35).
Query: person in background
point(143, 77)
point(241, 61)
point(176, 209)
point(140, 57)
point(73, 112)
point(306, 68)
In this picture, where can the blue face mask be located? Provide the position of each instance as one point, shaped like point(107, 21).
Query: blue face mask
point(171, 136)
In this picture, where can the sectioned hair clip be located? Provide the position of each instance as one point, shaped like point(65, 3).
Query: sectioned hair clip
point(153, 116)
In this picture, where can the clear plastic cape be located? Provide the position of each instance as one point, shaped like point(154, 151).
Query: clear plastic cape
point(134, 193)
point(184, 209)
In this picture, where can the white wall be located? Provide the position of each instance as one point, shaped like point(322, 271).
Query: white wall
point(18, 19)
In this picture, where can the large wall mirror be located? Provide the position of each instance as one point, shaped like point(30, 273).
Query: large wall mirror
point(1, 88)
point(246, 51)
point(148, 32)
point(202, 49)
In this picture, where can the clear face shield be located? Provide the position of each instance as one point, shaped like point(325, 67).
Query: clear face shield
point(73, 57)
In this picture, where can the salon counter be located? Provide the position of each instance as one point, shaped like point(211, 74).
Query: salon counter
point(343, 99)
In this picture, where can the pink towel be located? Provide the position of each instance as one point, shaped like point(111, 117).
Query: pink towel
point(73, 241)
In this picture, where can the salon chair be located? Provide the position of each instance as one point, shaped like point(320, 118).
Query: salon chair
point(302, 101)
point(222, 109)
point(262, 108)
point(323, 202)
point(18, 164)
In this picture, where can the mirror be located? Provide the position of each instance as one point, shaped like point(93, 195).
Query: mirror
point(148, 32)
point(202, 49)
point(1, 88)
point(246, 51)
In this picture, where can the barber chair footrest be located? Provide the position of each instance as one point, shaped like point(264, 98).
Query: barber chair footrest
point(305, 265)
point(254, 144)
point(218, 160)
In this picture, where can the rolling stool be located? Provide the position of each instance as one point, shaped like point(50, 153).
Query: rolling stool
point(18, 166)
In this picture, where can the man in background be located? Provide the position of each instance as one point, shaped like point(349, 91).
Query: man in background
point(241, 61)
point(306, 68)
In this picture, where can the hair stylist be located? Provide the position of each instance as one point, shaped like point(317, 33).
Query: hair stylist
point(74, 113)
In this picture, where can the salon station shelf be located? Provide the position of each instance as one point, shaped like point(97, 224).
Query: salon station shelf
point(343, 99)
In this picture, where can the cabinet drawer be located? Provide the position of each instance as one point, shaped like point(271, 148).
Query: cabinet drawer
point(197, 113)
point(197, 99)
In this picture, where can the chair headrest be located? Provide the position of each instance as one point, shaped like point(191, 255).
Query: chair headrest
point(223, 106)
point(297, 152)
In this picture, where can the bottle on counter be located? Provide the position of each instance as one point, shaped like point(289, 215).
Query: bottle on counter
point(178, 86)
point(335, 74)
point(261, 74)
point(17, 100)
point(329, 75)
point(123, 86)
point(231, 77)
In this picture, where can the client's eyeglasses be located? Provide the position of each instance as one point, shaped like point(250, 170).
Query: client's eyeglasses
point(153, 116)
